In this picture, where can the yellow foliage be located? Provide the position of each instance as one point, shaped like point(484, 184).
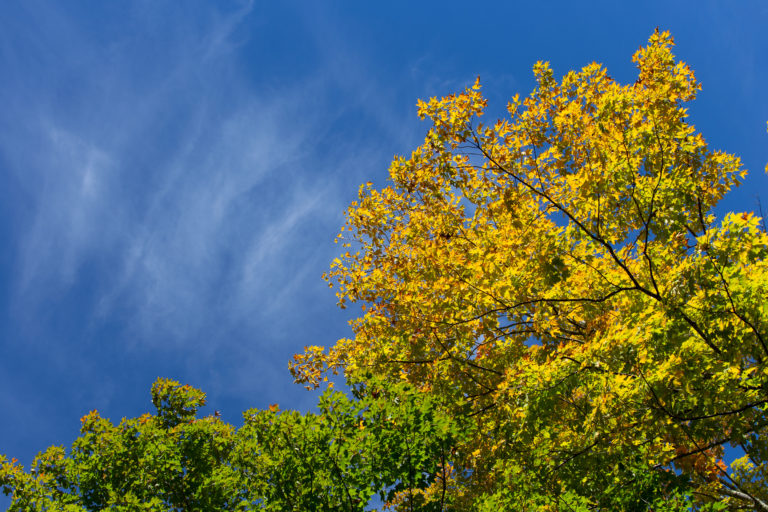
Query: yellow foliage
point(561, 272)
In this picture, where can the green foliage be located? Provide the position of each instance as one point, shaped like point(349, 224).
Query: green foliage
point(387, 440)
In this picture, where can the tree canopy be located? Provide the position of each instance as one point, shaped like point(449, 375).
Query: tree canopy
point(553, 318)
point(386, 441)
point(562, 271)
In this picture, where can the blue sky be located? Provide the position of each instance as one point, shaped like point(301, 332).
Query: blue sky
point(172, 174)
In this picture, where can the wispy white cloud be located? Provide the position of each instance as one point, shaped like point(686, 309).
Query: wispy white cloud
point(191, 202)
point(219, 224)
point(159, 229)
point(71, 197)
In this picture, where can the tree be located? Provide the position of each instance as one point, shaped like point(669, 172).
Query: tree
point(386, 440)
point(561, 273)
point(170, 460)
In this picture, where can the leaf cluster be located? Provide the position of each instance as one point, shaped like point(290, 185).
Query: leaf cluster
point(387, 441)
